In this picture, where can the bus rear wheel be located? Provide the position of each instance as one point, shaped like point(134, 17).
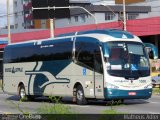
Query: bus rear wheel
point(80, 97)
point(22, 93)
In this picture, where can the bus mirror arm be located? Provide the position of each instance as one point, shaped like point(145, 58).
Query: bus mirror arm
point(74, 60)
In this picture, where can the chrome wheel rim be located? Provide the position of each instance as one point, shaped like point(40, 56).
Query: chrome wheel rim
point(22, 93)
point(79, 95)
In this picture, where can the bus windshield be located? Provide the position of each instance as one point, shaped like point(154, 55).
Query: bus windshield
point(126, 59)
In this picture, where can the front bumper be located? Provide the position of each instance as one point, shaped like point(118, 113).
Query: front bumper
point(111, 94)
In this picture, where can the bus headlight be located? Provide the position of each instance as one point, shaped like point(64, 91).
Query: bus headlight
point(111, 86)
point(148, 86)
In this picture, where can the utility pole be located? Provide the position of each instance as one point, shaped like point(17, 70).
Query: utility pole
point(124, 15)
point(52, 28)
point(8, 23)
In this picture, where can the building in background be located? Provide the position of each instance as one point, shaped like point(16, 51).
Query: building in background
point(155, 7)
point(18, 11)
point(104, 11)
point(103, 14)
point(23, 17)
point(154, 15)
point(143, 18)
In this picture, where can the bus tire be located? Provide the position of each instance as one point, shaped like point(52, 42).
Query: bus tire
point(22, 93)
point(80, 97)
point(31, 97)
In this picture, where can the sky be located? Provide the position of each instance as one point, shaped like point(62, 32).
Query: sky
point(3, 11)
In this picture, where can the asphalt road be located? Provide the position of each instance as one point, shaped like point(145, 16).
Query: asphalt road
point(10, 104)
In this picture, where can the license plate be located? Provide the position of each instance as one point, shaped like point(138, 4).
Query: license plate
point(132, 93)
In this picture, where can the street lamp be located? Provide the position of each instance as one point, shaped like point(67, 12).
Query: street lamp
point(124, 15)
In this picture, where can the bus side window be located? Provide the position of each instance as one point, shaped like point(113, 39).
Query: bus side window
point(28, 53)
point(84, 54)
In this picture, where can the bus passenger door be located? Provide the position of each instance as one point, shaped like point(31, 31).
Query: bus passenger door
point(98, 75)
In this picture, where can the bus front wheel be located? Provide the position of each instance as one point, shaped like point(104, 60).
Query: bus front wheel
point(80, 97)
point(22, 93)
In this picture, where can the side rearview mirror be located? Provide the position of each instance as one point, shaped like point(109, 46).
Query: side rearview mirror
point(150, 52)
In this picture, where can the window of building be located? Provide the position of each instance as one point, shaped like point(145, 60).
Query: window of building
point(43, 23)
point(25, 2)
point(16, 26)
point(15, 3)
point(22, 24)
point(82, 18)
point(76, 18)
point(131, 16)
point(16, 15)
point(22, 12)
point(69, 20)
point(109, 16)
point(31, 22)
point(87, 16)
point(30, 11)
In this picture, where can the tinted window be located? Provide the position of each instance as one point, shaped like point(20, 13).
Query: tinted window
point(57, 51)
point(86, 53)
point(45, 52)
point(127, 59)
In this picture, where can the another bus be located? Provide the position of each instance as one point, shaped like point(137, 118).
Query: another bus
point(98, 64)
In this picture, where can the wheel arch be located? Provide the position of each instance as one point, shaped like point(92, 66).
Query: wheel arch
point(76, 85)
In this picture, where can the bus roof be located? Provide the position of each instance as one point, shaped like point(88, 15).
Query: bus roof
point(113, 34)
point(116, 33)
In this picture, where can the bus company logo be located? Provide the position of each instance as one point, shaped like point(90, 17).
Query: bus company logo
point(13, 70)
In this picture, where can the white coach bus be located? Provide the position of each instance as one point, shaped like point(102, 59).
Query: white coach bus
point(99, 64)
